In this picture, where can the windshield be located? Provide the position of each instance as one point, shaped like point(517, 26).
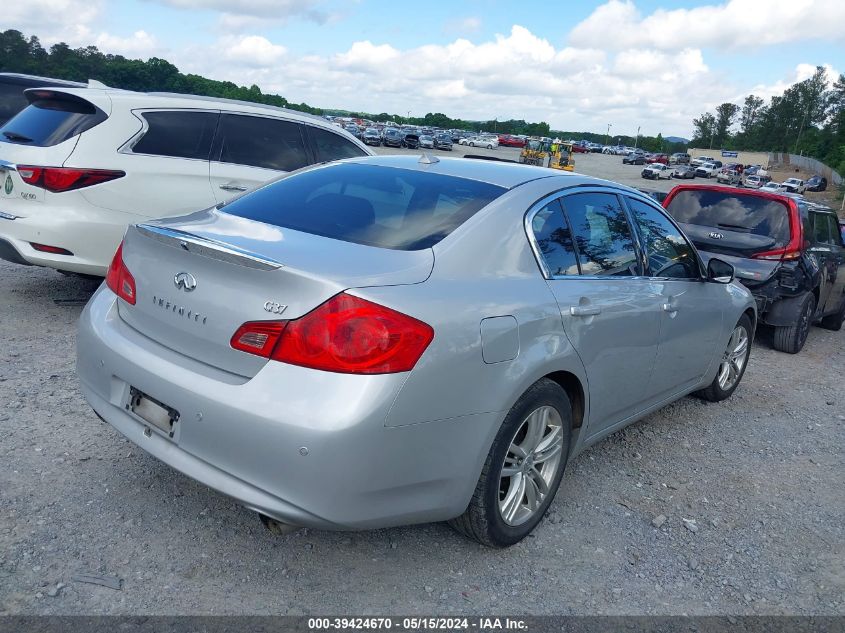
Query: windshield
point(379, 206)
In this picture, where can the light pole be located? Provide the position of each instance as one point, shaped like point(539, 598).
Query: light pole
point(607, 134)
point(637, 140)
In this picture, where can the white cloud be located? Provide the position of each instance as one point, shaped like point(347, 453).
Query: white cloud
point(274, 10)
point(736, 24)
point(139, 44)
point(463, 26)
point(51, 20)
point(514, 75)
point(254, 51)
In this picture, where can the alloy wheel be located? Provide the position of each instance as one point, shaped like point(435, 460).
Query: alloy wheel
point(530, 465)
point(734, 358)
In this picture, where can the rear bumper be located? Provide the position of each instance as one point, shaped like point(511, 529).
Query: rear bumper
point(92, 238)
point(245, 437)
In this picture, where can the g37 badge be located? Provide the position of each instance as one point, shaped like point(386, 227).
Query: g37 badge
point(274, 308)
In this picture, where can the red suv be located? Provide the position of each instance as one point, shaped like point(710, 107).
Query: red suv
point(657, 158)
point(788, 253)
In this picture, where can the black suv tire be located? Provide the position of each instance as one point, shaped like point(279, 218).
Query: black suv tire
point(791, 338)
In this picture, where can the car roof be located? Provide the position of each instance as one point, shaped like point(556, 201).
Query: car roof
point(36, 80)
point(495, 172)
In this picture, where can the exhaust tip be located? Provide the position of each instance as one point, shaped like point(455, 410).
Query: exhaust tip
point(277, 527)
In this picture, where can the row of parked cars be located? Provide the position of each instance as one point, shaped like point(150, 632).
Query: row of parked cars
point(316, 338)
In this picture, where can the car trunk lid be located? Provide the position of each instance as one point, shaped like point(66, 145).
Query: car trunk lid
point(201, 277)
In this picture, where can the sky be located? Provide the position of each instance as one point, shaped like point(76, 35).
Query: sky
point(578, 65)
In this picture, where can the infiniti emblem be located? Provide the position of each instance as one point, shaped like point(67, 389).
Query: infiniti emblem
point(185, 281)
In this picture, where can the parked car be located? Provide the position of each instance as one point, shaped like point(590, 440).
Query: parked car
point(481, 141)
point(507, 140)
point(657, 158)
point(371, 137)
point(793, 185)
point(354, 130)
point(683, 171)
point(656, 171)
point(708, 170)
point(729, 177)
point(772, 187)
point(634, 159)
point(790, 256)
point(580, 149)
point(411, 140)
point(754, 181)
point(319, 319)
point(443, 141)
point(816, 183)
point(842, 229)
point(426, 142)
point(700, 160)
point(392, 137)
point(80, 164)
point(12, 86)
point(679, 158)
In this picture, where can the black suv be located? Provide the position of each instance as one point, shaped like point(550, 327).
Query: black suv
point(12, 85)
point(788, 253)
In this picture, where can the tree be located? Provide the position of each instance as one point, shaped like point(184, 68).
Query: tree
point(705, 128)
point(725, 115)
point(750, 111)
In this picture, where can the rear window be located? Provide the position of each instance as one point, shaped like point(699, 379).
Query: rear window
point(368, 204)
point(735, 212)
point(47, 122)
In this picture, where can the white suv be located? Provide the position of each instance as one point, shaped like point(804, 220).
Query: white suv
point(78, 165)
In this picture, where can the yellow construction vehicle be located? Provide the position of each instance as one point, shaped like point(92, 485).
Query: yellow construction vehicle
point(562, 157)
point(533, 153)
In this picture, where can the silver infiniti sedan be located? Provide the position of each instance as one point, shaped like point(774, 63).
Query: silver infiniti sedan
point(393, 340)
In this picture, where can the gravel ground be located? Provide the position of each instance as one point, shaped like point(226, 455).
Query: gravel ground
point(731, 508)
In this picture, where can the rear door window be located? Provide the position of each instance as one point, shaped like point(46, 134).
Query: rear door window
point(368, 204)
point(50, 121)
point(177, 134)
point(329, 146)
point(602, 235)
point(554, 240)
point(261, 142)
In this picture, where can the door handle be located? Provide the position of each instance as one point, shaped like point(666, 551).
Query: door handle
point(230, 187)
point(584, 310)
point(668, 307)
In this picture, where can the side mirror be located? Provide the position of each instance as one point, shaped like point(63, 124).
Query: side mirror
point(720, 272)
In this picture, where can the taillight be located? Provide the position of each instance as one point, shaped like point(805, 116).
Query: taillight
point(793, 249)
point(345, 334)
point(60, 179)
point(118, 278)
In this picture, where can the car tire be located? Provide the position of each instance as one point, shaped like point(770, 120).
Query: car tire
point(834, 321)
point(489, 147)
point(791, 338)
point(472, 144)
point(483, 519)
point(734, 359)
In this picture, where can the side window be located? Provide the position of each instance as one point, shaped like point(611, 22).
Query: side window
point(177, 134)
point(554, 240)
point(668, 253)
point(261, 142)
point(821, 229)
point(601, 233)
point(331, 146)
point(835, 237)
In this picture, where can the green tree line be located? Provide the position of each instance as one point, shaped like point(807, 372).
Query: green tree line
point(808, 119)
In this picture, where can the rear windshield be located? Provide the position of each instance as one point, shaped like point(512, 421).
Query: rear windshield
point(368, 204)
point(734, 212)
point(47, 122)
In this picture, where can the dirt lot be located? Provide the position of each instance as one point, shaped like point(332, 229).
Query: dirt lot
point(731, 508)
